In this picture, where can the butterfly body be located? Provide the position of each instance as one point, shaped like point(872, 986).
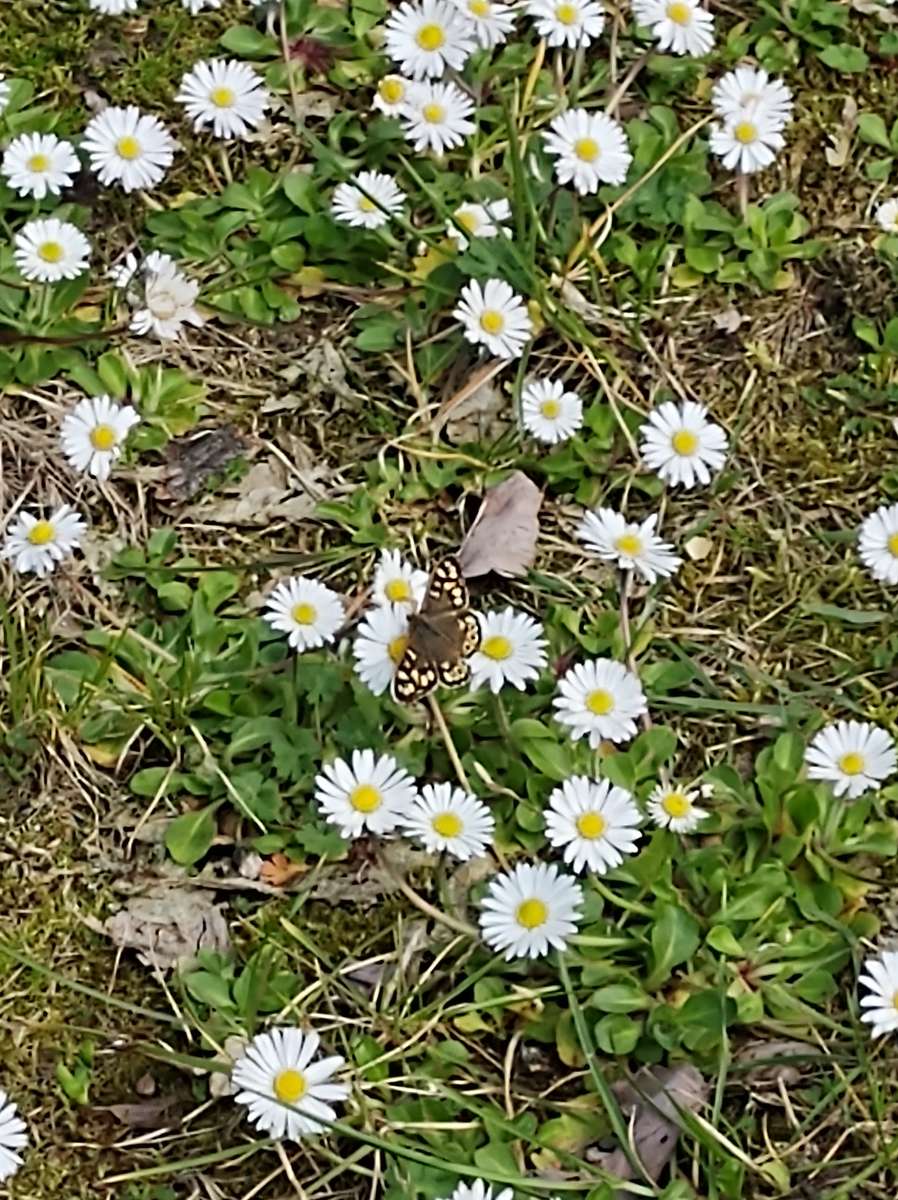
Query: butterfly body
point(442, 635)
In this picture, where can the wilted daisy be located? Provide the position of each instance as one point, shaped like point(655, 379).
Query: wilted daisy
point(13, 1137)
point(478, 220)
point(306, 610)
point(429, 38)
point(529, 910)
point(48, 250)
point(397, 581)
point(128, 147)
point(878, 543)
point(512, 650)
point(672, 807)
point(600, 700)
point(369, 794)
point(444, 817)
point(633, 546)
point(746, 142)
point(881, 1002)
point(37, 544)
point(166, 301)
point(4, 92)
point(570, 23)
point(392, 95)
point(369, 201)
point(747, 90)
point(680, 26)
point(492, 22)
point(37, 163)
point(887, 216)
point(595, 824)
point(549, 412)
point(94, 433)
point(589, 147)
point(681, 444)
point(478, 1190)
point(112, 8)
point(125, 272)
point(279, 1069)
point(854, 756)
point(437, 116)
point(495, 317)
point(379, 645)
point(226, 94)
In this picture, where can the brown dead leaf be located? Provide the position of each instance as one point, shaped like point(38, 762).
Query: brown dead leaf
point(142, 1114)
point(455, 405)
point(278, 870)
point(698, 548)
point(838, 151)
point(268, 492)
point(728, 320)
point(503, 536)
point(776, 1060)
point(482, 416)
point(168, 926)
point(193, 460)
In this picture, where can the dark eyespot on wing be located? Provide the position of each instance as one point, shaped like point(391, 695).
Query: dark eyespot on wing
point(413, 679)
point(447, 585)
point(470, 634)
point(454, 674)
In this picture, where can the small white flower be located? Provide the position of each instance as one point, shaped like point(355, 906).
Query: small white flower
point(13, 1136)
point(4, 92)
point(429, 38)
point(478, 1190)
point(681, 26)
point(128, 147)
point(674, 808)
point(596, 824)
point(37, 544)
point(437, 116)
point(167, 300)
point(305, 609)
point(48, 250)
point(512, 650)
point(682, 445)
point(196, 6)
point(878, 543)
point(379, 645)
point(94, 433)
point(369, 795)
point(549, 412)
point(882, 1000)
point(749, 90)
point(854, 756)
point(630, 545)
point(746, 143)
point(887, 216)
point(371, 203)
point(278, 1069)
point(568, 23)
point(495, 317)
point(397, 581)
point(226, 94)
point(529, 910)
point(446, 818)
point(493, 22)
point(590, 148)
point(37, 163)
point(600, 699)
point(392, 95)
point(112, 8)
point(478, 220)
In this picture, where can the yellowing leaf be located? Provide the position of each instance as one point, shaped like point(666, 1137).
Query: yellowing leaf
point(104, 754)
point(426, 263)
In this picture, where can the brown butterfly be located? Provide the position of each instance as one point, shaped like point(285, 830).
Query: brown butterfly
point(442, 635)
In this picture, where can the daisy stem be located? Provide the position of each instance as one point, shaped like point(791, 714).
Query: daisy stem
point(450, 745)
point(625, 619)
point(613, 898)
point(288, 67)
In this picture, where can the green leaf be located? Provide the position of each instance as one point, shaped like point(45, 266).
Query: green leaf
point(209, 989)
point(620, 998)
point(617, 1034)
point(301, 191)
point(842, 56)
point(249, 42)
point(675, 938)
point(871, 129)
point(704, 259)
point(189, 837)
point(113, 375)
point(552, 759)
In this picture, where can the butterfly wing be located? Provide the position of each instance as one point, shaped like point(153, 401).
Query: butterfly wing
point(415, 677)
point(447, 588)
point(441, 637)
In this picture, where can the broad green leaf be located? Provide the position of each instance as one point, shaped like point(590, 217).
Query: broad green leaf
point(675, 938)
point(842, 56)
point(189, 837)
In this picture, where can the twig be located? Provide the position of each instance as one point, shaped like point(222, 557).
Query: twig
point(450, 745)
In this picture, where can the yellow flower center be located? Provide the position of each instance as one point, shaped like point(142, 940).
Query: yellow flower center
point(678, 12)
point(41, 533)
point(128, 147)
point(50, 252)
point(304, 614)
point(893, 544)
point(447, 824)
point(676, 804)
point(566, 13)
point(391, 90)
point(468, 220)
point(222, 97)
point(367, 205)
point(430, 37)
point(497, 647)
point(103, 437)
point(398, 590)
point(550, 409)
point(587, 149)
point(600, 702)
point(532, 913)
point(852, 763)
point(290, 1085)
point(684, 442)
point(492, 321)
point(365, 798)
point(629, 544)
point(746, 133)
point(38, 163)
point(479, 8)
point(434, 114)
point(895, 1000)
point(591, 825)
point(397, 647)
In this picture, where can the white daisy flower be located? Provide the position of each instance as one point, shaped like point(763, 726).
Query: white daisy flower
point(379, 645)
point(112, 8)
point(529, 910)
point(492, 22)
point(306, 610)
point(371, 203)
point(478, 1190)
point(568, 23)
point(495, 317)
point(596, 825)
point(279, 1069)
point(854, 756)
point(680, 26)
point(37, 163)
point(196, 6)
point(37, 544)
point(878, 543)
point(512, 650)
point(672, 807)
point(478, 220)
point(882, 1001)
point(167, 301)
point(13, 1137)
point(444, 817)
point(128, 147)
point(681, 445)
point(630, 545)
point(4, 92)
point(94, 433)
point(747, 90)
point(600, 700)
point(429, 38)
point(746, 143)
point(396, 581)
point(887, 216)
point(226, 94)
point(369, 795)
point(392, 95)
point(590, 148)
point(437, 116)
point(549, 412)
point(47, 250)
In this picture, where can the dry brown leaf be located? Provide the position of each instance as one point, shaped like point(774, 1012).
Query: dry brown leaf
point(142, 1114)
point(482, 416)
point(168, 926)
point(698, 548)
point(268, 492)
point(194, 459)
point(456, 406)
point(782, 1050)
point(838, 151)
point(503, 536)
point(278, 870)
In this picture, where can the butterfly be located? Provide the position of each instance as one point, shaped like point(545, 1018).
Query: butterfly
point(442, 635)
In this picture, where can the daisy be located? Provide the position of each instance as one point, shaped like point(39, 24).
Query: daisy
point(747, 142)
point(878, 543)
point(747, 90)
point(13, 1137)
point(478, 1190)
point(197, 6)
point(226, 94)
point(48, 250)
point(882, 1002)
point(37, 544)
point(596, 824)
point(493, 22)
point(124, 273)
point(590, 148)
point(370, 795)
point(371, 204)
point(379, 645)
point(128, 147)
point(446, 818)
point(887, 216)
point(549, 412)
point(37, 163)
point(4, 92)
point(478, 220)
point(283, 1087)
point(512, 650)
point(397, 581)
point(495, 317)
point(854, 756)
point(529, 910)
point(600, 699)
point(437, 117)
point(94, 433)
point(112, 8)
point(167, 301)
point(429, 38)
point(568, 23)
point(631, 546)
point(675, 808)
point(306, 610)
point(681, 26)
point(681, 445)
point(392, 95)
